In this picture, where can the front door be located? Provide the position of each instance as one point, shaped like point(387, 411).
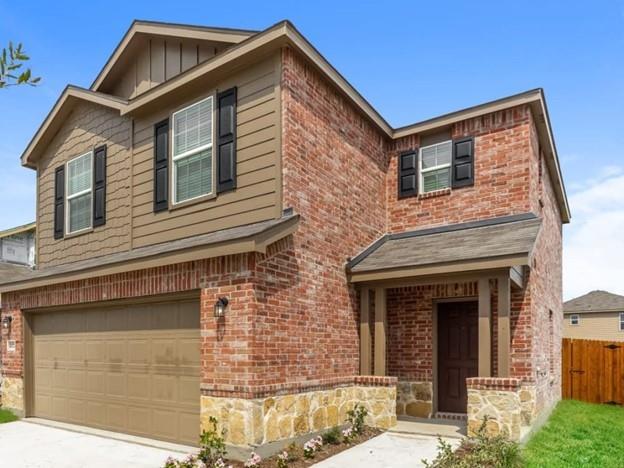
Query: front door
point(458, 348)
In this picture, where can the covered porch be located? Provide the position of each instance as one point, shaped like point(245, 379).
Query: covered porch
point(438, 310)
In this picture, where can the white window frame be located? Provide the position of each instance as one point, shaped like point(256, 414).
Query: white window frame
point(76, 195)
point(186, 154)
point(578, 320)
point(421, 171)
point(621, 321)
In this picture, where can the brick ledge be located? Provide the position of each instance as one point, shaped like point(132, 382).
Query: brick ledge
point(494, 383)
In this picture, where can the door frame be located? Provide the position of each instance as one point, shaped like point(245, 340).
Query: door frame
point(434, 348)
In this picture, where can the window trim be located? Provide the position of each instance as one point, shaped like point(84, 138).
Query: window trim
point(621, 321)
point(421, 171)
point(173, 159)
point(68, 197)
point(578, 320)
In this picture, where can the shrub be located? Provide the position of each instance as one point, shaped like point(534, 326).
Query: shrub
point(332, 436)
point(212, 443)
point(283, 459)
point(253, 461)
point(478, 451)
point(312, 446)
point(355, 418)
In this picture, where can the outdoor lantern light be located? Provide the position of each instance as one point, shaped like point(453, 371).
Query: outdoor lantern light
point(6, 321)
point(220, 306)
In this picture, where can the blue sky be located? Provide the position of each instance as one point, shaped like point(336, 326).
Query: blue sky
point(411, 60)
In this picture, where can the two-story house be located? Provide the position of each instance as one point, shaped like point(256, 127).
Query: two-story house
point(227, 228)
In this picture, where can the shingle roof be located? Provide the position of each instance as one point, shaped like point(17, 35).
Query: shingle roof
point(498, 237)
point(595, 301)
point(250, 231)
point(12, 272)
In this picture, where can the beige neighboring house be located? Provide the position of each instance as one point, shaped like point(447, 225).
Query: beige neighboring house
point(598, 315)
point(17, 252)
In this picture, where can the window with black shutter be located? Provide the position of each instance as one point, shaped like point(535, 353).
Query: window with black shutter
point(59, 202)
point(226, 140)
point(99, 186)
point(161, 172)
point(408, 176)
point(463, 162)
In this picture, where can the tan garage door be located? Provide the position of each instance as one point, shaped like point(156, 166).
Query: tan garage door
point(131, 369)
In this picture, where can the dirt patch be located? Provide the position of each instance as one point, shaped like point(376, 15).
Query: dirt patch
point(296, 459)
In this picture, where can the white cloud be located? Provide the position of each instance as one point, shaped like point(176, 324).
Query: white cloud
point(593, 255)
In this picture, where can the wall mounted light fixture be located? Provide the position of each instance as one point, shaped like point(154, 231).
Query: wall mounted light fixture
point(6, 321)
point(220, 306)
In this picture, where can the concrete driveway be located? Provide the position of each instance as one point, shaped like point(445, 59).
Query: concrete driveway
point(388, 450)
point(25, 444)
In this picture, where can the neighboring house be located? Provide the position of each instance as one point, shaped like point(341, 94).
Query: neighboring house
point(17, 245)
point(228, 228)
point(597, 315)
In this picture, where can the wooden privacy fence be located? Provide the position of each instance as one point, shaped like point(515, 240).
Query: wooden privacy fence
point(593, 371)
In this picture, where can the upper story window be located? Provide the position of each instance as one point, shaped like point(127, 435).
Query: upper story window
point(192, 151)
point(435, 166)
point(575, 319)
point(79, 192)
point(621, 321)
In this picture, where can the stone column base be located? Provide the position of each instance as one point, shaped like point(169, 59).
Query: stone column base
point(498, 399)
point(12, 394)
point(414, 399)
point(260, 421)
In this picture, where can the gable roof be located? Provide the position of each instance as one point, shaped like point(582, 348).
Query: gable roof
point(595, 301)
point(157, 28)
point(247, 46)
point(70, 96)
point(493, 243)
point(18, 229)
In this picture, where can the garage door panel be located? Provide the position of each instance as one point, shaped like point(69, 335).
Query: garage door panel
point(131, 369)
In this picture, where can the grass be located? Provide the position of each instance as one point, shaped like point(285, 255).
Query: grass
point(6, 416)
point(578, 434)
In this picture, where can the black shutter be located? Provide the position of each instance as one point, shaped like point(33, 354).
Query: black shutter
point(226, 140)
point(408, 174)
point(59, 202)
point(161, 160)
point(99, 186)
point(463, 162)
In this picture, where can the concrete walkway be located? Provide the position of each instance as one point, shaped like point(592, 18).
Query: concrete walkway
point(388, 450)
point(25, 444)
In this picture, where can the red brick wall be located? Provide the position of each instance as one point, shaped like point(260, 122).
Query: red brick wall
point(334, 166)
point(503, 150)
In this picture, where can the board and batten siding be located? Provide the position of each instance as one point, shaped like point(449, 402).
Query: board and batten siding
point(160, 59)
point(258, 192)
point(88, 126)
point(594, 326)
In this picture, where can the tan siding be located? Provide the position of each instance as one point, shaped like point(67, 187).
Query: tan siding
point(88, 126)
point(594, 326)
point(159, 59)
point(257, 196)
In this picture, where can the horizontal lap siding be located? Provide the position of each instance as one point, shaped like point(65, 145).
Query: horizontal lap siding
point(257, 196)
point(87, 127)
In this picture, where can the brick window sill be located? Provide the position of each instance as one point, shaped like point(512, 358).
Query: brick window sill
point(437, 193)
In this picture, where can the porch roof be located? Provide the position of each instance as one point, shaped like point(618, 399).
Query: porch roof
point(494, 243)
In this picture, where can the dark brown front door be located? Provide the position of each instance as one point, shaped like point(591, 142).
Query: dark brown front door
point(458, 347)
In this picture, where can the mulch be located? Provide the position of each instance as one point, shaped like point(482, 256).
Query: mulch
point(328, 450)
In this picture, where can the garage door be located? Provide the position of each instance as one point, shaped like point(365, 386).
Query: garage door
point(131, 369)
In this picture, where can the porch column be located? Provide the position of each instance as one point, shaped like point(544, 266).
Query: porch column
point(380, 331)
point(365, 332)
point(504, 330)
point(485, 328)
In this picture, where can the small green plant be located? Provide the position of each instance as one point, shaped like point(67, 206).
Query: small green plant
point(283, 459)
point(212, 443)
point(355, 418)
point(480, 450)
point(332, 436)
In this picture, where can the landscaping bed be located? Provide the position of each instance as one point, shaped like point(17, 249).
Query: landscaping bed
point(578, 434)
point(296, 458)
